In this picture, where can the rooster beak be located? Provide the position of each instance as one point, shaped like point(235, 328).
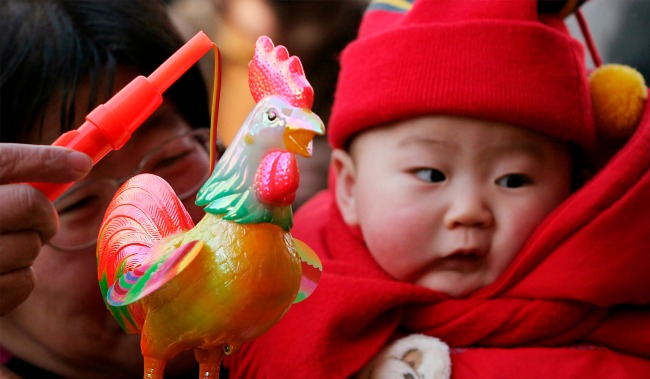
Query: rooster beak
point(300, 131)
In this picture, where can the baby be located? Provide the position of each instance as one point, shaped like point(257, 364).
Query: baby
point(464, 196)
point(455, 212)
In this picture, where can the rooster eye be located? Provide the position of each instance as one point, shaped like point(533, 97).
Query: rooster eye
point(272, 115)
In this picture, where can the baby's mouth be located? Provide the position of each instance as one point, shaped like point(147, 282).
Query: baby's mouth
point(463, 260)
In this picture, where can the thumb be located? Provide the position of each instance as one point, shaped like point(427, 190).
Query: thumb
point(39, 163)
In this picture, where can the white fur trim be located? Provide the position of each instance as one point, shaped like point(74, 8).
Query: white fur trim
point(413, 357)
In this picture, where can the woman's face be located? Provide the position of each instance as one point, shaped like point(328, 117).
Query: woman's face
point(64, 325)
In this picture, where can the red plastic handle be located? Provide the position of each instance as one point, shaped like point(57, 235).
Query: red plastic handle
point(109, 126)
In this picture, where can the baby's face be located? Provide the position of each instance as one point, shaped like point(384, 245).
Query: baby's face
point(448, 202)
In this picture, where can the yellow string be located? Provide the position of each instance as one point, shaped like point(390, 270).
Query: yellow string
point(216, 93)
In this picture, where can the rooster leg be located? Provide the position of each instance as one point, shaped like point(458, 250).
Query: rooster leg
point(209, 362)
point(153, 368)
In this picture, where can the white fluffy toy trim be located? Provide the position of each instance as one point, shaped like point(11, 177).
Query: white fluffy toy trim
point(413, 357)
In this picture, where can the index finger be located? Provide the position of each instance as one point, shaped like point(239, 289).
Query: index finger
point(41, 163)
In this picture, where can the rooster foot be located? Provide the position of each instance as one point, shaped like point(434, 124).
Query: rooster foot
point(210, 361)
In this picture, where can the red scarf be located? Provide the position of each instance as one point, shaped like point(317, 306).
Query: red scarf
point(574, 303)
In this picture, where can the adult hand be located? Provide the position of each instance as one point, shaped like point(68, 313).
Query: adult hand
point(27, 218)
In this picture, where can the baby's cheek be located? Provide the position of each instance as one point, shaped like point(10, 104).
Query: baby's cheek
point(514, 234)
point(399, 229)
point(396, 245)
point(526, 219)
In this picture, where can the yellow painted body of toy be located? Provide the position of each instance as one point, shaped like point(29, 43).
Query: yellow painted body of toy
point(248, 275)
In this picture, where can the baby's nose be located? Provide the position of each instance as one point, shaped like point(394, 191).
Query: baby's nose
point(468, 208)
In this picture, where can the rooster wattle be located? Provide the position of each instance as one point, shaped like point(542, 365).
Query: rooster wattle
point(227, 280)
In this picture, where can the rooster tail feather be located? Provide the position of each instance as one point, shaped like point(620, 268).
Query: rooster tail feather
point(130, 320)
point(143, 212)
point(145, 279)
point(311, 270)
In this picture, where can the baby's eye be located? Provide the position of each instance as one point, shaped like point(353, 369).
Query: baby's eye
point(431, 175)
point(514, 181)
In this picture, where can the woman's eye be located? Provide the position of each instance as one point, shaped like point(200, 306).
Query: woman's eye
point(77, 205)
point(514, 181)
point(431, 175)
point(171, 160)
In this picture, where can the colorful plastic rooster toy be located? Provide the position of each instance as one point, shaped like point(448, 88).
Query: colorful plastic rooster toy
point(227, 280)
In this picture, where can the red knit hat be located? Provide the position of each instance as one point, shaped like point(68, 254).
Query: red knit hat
point(497, 60)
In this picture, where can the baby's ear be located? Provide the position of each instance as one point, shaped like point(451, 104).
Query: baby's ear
point(345, 174)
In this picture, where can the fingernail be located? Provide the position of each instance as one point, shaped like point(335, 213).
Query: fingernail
point(80, 161)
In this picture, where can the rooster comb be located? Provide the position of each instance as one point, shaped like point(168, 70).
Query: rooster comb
point(273, 72)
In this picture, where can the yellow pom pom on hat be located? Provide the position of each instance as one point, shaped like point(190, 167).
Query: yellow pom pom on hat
point(618, 95)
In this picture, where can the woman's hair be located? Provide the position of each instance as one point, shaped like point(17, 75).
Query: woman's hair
point(49, 47)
